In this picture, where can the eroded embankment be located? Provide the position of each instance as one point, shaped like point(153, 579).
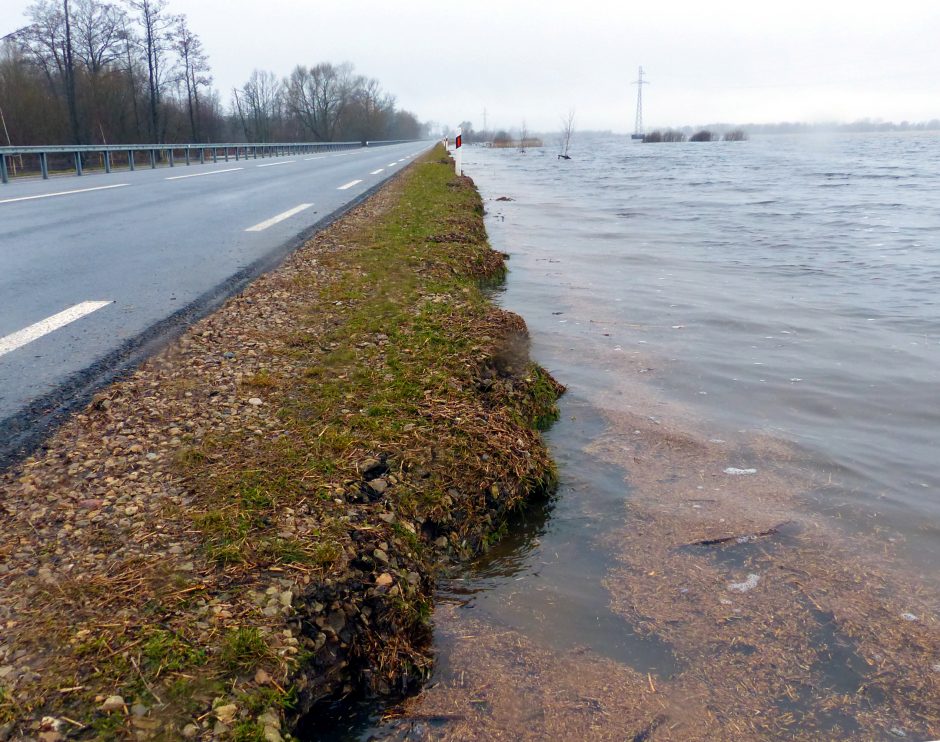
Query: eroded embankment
point(252, 522)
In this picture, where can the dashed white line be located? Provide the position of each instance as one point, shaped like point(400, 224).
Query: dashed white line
point(62, 193)
point(199, 175)
point(44, 327)
point(376, 172)
point(279, 218)
point(275, 164)
point(350, 184)
point(321, 157)
point(392, 164)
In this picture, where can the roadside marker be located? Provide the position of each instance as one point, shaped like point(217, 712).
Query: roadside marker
point(44, 327)
point(350, 184)
point(62, 193)
point(458, 154)
point(261, 226)
point(199, 175)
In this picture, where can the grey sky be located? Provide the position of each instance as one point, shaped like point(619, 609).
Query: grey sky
point(720, 60)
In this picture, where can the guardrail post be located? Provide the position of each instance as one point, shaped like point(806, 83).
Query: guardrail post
point(187, 155)
point(78, 163)
point(107, 161)
point(215, 154)
point(237, 155)
point(226, 154)
point(153, 159)
point(202, 155)
point(44, 165)
point(171, 156)
point(4, 175)
point(131, 164)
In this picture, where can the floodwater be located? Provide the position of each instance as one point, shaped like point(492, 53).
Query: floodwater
point(745, 540)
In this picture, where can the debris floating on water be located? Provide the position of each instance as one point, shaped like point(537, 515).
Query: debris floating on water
point(742, 587)
point(746, 538)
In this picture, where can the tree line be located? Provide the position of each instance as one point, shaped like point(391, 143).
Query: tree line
point(130, 71)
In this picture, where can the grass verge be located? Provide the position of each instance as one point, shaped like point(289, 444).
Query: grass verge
point(318, 449)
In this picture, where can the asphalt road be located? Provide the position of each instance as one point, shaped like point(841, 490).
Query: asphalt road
point(97, 271)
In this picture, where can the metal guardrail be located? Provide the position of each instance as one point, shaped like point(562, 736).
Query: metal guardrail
point(153, 154)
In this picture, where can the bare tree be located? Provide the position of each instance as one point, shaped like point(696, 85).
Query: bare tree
point(258, 105)
point(567, 129)
point(130, 42)
point(523, 136)
point(156, 24)
point(195, 71)
point(70, 99)
point(369, 109)
point(98, 41)
point(318, 96)
point(97, 33)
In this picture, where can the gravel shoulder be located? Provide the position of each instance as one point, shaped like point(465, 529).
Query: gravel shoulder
point(250, 524)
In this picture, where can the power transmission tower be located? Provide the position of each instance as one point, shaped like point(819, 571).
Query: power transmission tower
point(640, 82)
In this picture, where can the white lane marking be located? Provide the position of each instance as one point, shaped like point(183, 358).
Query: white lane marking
point(279, 218)
point(199, 175)
point(350, 184)
point(376, 172)
point(392, 164)
point(44, 327)
point(62, 193)
point(275, 164)
point(321, 157)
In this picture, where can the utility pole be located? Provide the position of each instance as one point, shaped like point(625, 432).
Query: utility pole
point(640, 82)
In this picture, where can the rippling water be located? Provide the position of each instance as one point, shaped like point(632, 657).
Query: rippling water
point(786, 285)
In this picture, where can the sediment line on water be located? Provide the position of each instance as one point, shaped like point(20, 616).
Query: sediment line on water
point(250, 525)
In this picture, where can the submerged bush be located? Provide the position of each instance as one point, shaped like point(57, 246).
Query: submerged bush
point(736, 135)
point(669, 135)
point(702, 136)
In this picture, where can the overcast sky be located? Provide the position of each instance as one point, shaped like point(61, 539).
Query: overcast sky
point(707, 60)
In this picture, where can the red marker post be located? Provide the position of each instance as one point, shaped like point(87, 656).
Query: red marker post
point(458, 158)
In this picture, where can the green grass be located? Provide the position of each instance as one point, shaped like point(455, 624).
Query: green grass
point(168, 651)
point(244, 649)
